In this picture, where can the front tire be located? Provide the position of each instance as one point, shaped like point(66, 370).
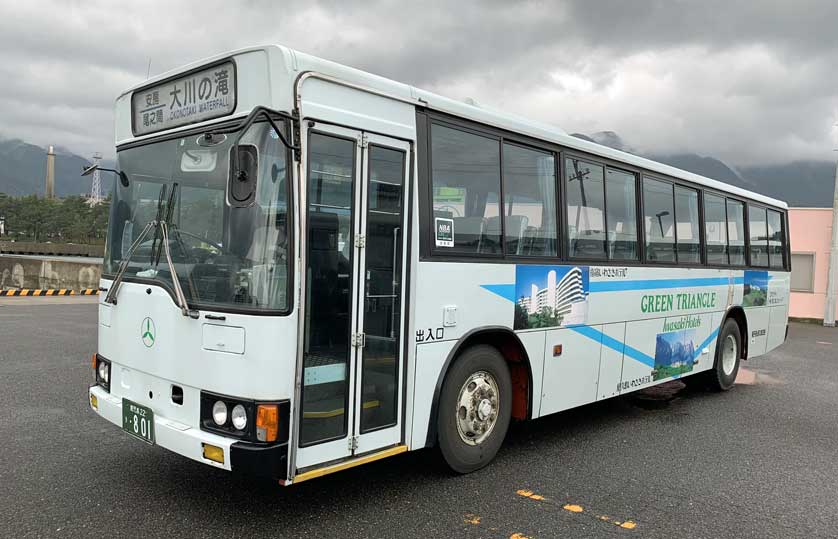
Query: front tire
point(728, 357)
point(475, 407)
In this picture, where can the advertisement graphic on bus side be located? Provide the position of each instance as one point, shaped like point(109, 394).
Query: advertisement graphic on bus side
point(550, 296)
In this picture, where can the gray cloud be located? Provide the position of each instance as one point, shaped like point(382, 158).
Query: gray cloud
point(750, 82)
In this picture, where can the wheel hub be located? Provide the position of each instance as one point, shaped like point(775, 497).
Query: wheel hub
point(477, 408)
point(729, 354)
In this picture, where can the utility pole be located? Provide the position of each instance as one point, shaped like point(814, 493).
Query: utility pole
point(832, 269)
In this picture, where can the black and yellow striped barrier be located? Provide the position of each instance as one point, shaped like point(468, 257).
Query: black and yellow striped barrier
point(49, 292)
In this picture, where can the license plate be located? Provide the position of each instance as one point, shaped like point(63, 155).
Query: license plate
point(138, 421)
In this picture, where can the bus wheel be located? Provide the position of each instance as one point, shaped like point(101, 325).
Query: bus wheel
point(728, 354)
point(474, 410)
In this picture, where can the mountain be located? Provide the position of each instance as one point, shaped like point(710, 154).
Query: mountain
point(800, 183)
point(23, 169)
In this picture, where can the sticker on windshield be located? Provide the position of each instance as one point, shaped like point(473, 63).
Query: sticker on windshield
point(444, 232)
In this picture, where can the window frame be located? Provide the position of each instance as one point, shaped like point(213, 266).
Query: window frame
point(426, 118)
point(606, 164)
point(441, 250)
point(748, 261)
point(566, 236)
point(746, 233)
point(783, 242)
point(556, 193)
point(674, 223)
point(704, 223)
point(638, 259)
point(813, 256)
point(701, 243)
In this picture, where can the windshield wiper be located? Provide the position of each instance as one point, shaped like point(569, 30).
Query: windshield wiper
point(162, 225)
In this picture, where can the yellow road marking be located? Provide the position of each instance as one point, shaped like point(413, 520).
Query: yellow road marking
point(576, 508)
point(518, 536)
point(472, 519)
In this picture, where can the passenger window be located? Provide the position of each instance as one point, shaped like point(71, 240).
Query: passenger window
point(759, 236)
point(466, 186)
point(659, 220)
point(584, 186)
point(715, 229)
point(621, 218)
point(736, 232)
point(776, 239)
point(687, 227)
point(529, 187)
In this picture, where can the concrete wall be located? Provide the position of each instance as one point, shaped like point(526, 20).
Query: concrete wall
point(810, 231)
point(33, 273)
point(54, 249)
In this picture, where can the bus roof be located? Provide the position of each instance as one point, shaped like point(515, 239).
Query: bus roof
point(294, 63)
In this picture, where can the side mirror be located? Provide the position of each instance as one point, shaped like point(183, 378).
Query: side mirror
point(244, 171)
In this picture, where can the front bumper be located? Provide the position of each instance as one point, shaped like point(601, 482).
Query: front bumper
point(265, 461)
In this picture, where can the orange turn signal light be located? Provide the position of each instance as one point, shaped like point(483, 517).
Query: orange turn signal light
point(557, 350)
point(93, 362)
point(267, 422)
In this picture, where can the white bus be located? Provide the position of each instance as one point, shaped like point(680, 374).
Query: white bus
point(310, 268)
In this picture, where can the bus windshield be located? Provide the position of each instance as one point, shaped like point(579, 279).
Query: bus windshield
point(225, 257)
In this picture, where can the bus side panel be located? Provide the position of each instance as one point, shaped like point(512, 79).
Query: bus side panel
point(779, 317)
point(570, 377)
point(665, 348)
point(430, 358)
point(611, 361)
point(757, 329)
point(533, 342)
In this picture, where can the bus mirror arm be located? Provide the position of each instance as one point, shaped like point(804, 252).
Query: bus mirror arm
point(242, 128)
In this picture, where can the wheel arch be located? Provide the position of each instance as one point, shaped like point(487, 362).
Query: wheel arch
point(737, 313)
point(510, 347)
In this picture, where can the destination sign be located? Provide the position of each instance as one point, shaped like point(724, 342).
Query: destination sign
point(200, 96)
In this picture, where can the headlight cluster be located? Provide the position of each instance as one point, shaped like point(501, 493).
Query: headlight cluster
point(238, 417)
point(245, 419)
point(103, 372)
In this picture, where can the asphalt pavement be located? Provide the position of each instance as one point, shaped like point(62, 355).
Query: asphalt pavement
point(757, 461)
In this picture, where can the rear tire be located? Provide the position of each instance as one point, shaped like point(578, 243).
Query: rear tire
point(475, 408)
point(728, 356)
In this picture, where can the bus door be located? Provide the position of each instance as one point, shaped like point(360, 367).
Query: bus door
point(355, 266)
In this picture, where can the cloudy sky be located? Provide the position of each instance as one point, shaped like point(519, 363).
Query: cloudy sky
point(746, 81)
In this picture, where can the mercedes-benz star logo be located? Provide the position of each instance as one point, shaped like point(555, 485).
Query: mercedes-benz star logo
point(147, 332)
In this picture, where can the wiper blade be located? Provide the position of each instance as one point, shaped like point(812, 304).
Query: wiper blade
point(181, 298)
point(114, 288)
point(161, 224)
point(155, 253)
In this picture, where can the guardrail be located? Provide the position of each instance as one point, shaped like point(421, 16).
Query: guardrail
point(43, 292)
point(54, 249)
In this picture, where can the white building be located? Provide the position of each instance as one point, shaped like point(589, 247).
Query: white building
point(566, 298)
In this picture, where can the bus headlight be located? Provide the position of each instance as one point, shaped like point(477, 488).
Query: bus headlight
point(245, 419)
point(239, 417)
point(219, 413)
point(103, 372)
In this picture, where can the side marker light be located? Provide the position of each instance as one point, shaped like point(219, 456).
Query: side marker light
point(213, 453)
